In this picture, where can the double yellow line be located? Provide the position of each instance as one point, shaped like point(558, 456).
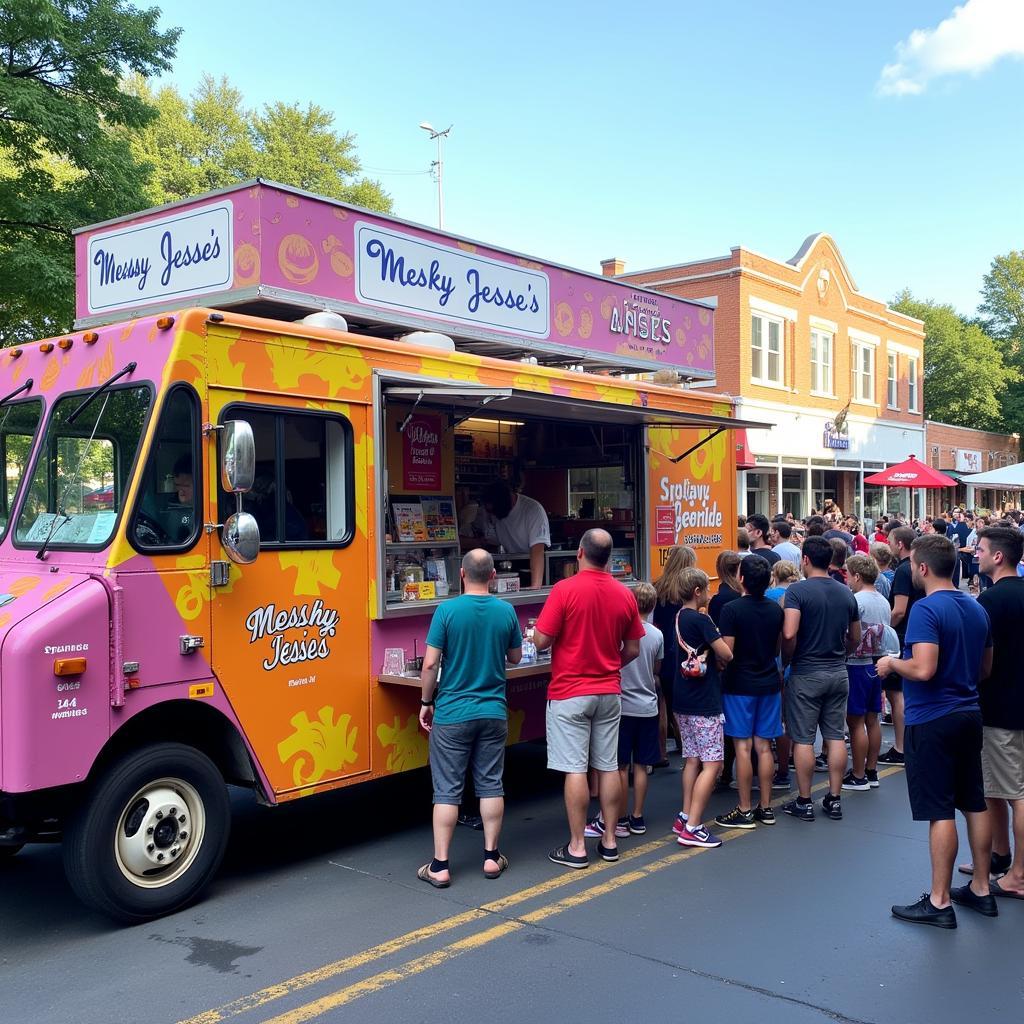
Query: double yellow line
point(387, 978)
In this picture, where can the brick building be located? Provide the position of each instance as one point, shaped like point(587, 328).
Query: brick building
point(959, 451)
point(838, 373)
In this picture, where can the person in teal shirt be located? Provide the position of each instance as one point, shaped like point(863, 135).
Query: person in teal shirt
point(471, 639)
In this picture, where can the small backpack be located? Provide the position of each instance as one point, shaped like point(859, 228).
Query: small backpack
point(691, 664)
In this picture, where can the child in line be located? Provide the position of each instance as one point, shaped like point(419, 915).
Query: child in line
point(697, 703)
point(638, 726)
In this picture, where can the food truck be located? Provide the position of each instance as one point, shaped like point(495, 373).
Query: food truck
point(236, 492)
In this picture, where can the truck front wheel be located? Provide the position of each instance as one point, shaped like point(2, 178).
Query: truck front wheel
point(151, 835)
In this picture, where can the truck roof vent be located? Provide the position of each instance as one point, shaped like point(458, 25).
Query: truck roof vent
point(327, 319)
point(429, 339)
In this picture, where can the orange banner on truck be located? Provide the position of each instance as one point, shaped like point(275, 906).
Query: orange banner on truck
point(693, 501)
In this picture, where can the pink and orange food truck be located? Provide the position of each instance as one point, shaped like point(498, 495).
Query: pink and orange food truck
point(236, 492)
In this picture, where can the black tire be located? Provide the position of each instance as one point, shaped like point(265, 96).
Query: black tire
point(92, 858)
point(7, 852)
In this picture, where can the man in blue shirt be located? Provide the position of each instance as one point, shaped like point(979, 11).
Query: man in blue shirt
point(470, 638)
point(949, 640)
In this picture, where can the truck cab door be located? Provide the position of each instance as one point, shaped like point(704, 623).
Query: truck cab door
point(290, 630)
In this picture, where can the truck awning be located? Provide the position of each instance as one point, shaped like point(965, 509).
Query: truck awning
point(511, 402)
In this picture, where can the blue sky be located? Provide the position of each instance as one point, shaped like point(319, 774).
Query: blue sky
point(666, 132)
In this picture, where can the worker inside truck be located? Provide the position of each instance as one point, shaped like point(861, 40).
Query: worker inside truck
point(520, 525)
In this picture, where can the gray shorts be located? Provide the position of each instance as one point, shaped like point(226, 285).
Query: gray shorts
point(817, 699)
point(455, 748)
point(584, 732)
point(1002, 761)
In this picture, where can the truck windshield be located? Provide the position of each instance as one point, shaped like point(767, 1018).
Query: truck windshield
point(18, 425)
point(82, 471)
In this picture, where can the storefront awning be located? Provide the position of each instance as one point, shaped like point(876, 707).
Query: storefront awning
point(744, 456)
point(511, 402)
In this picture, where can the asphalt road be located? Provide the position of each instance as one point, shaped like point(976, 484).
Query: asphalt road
point(318, 916)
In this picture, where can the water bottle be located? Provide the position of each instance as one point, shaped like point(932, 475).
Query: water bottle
point(529, 647)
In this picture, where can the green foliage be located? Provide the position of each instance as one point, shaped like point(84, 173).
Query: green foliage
point(211, 140)
point(966, 379)
point(1002, 297)
point(61, 165)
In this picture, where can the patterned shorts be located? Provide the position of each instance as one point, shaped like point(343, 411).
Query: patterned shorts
point(702, 737)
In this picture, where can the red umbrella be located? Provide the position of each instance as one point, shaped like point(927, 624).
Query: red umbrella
point(910, 474)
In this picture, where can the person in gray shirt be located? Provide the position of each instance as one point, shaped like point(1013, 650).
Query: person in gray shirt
point(781, 537)
point(821, 626)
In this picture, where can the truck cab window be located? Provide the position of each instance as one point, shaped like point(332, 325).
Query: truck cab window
point(167, 513)
point(82, 471)
point(18, 425)
point(302, 493)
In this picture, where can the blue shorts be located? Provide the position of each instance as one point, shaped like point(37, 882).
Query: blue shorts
point(747, 716)
point(865, 690)
point(638, 740)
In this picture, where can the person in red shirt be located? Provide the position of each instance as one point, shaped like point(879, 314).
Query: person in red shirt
point(593, 628)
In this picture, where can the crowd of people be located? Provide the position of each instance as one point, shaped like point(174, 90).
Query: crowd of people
point(775, 671)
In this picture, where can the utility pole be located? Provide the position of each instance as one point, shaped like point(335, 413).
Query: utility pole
point(438, 165)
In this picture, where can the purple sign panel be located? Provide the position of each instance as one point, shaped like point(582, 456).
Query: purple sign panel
point(262, 238)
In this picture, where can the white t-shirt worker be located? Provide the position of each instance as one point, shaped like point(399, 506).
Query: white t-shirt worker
point(520, 525)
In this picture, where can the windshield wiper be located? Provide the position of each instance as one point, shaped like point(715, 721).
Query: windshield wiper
point(17, 391)
point(90, 398)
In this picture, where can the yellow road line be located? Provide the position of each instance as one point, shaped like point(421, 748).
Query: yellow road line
point(263, 996)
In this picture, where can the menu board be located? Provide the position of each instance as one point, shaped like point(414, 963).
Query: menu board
point(426, 520)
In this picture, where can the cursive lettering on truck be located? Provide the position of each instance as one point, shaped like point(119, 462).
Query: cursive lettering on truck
point(270, 622)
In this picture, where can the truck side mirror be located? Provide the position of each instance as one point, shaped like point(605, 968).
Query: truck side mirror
point(240, 536)
point(237, 457)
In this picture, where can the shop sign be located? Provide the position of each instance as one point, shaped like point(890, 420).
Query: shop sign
point(138, 264)
point(421, 453)
point(399, 271)
point(967, 461)
point(834, 437)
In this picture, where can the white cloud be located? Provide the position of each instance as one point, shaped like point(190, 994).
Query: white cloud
point(976, 35)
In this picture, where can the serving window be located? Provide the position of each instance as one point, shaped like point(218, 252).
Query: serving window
point(442, 461)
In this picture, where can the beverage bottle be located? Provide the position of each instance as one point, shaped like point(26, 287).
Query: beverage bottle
point(529, 647)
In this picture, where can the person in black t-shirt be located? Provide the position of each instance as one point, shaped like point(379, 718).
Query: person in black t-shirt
point(1001, 695)
point(752, 690)
point(902, 595)
point(758, 529)
point(697, 703)
point(727, 566)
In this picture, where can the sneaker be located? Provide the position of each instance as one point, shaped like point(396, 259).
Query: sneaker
point(473, 821)
point(833, 807)
point(622, 828)
point(850, 781)
point(964, 896)
point(924, 912)
point(679, 824)
point(821, 763)
point(607, 853)
point(886, 719)
point(805, 812)
point(566, 859)
point(781, 781)
point(892, 756)
point(636, 826)
point(872, 777)
point(734, 784)
point(764, 816)
point(700, 836)
point(736, 819)
point(594, 828)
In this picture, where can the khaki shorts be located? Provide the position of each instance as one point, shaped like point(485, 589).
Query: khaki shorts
point(584, 732)
point(1002, 762)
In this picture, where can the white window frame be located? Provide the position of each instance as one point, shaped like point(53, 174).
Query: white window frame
point(764, 349)
point(822, 383)
point(892, 381)
point(863, 381)
point(914, 385)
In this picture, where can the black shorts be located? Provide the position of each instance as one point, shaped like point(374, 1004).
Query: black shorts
point(638, 741)
point(944, 766)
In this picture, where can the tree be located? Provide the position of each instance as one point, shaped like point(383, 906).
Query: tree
point(62, 163)
point(966, 379)
point(1002, 297)
point(211, 141)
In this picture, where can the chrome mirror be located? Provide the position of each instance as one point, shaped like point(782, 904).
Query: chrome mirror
point(237, 457)
point(240, 536)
